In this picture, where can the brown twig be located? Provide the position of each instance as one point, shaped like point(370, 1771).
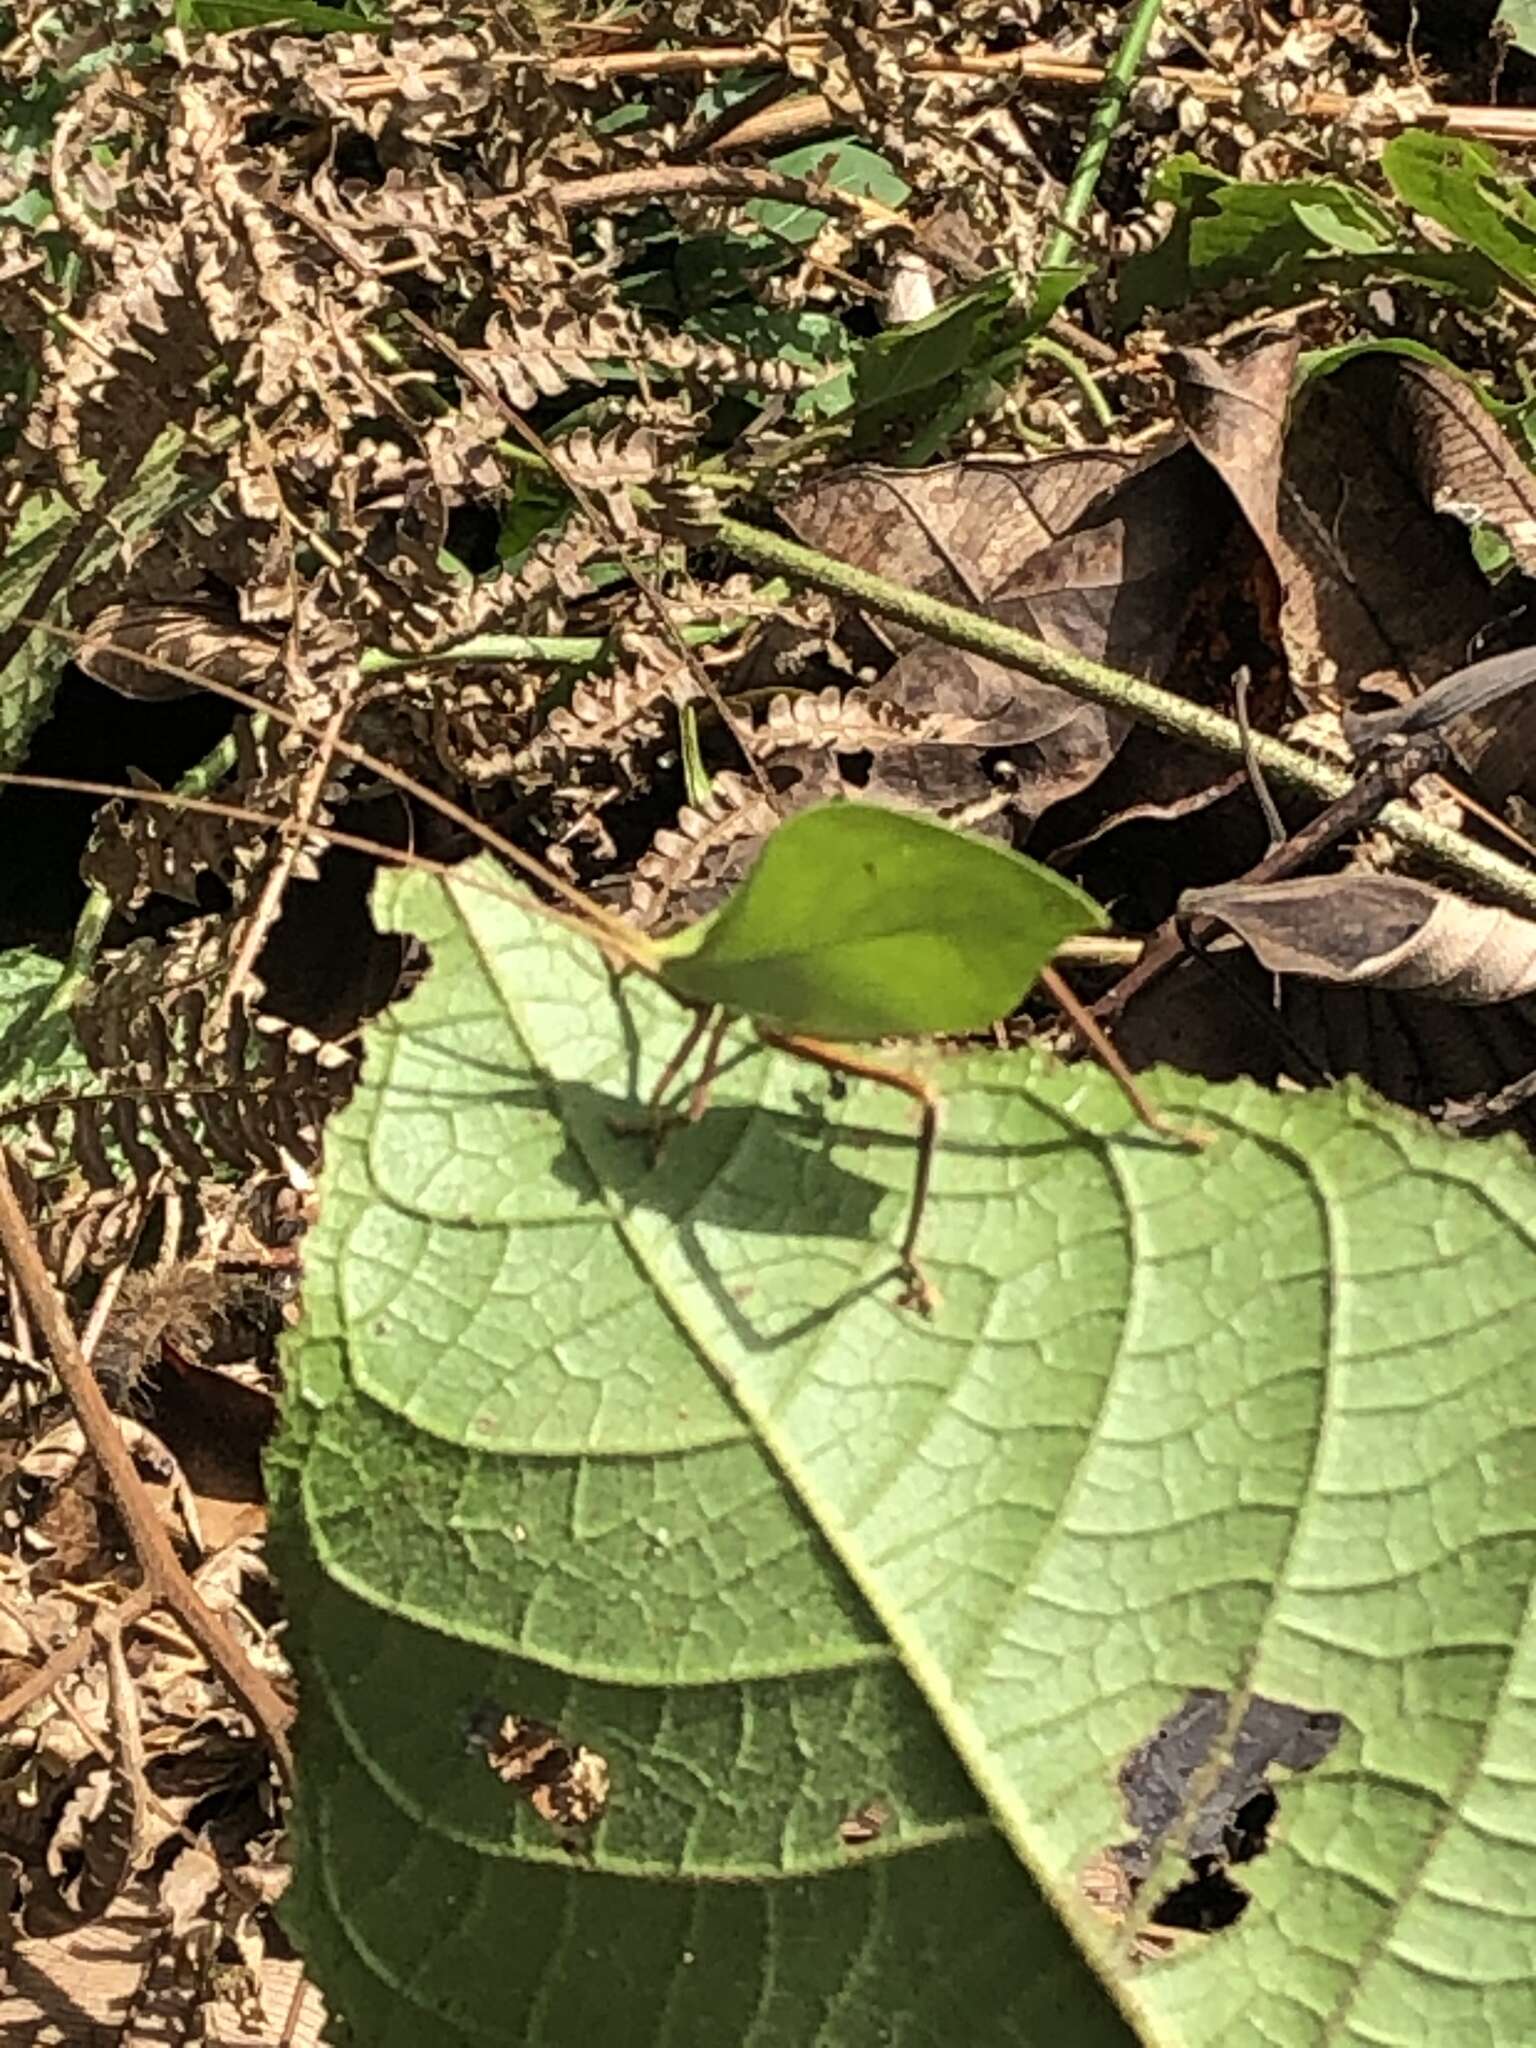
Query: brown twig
point(1032, 61)
point(70, 1656)
point(263, 915)
point(165, 1578)
point(1099, 1042)
point(1389, 776)
point(703, 58)
point(1038, 63)
point(720, 181)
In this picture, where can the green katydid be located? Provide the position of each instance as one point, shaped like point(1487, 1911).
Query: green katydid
point(859, 923)
point(856, 923)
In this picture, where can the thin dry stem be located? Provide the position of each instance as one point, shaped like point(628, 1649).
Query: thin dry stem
point(71, 1655)
point(264, 912)
point(589, 917)
point(165, 1577)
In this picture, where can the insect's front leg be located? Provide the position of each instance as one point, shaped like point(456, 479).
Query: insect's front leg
point(709, 1023)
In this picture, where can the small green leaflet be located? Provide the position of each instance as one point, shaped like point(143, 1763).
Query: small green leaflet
point(858, 922)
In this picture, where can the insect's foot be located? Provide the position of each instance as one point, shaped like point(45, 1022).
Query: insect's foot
point(1193, 1137)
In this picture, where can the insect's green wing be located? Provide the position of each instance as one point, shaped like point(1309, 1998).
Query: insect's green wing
point(859, 922)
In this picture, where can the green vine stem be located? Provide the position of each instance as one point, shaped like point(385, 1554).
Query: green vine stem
point(1107, 110)
point(1130, 695)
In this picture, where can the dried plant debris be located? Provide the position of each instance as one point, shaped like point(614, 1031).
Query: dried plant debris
point(692, 867)
point(140, 850)
point(1379, 931)
point(136, 649)
point(1092, 551)
point(177, 1080)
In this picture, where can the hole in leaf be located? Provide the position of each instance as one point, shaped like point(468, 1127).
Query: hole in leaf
point(1201, 1791)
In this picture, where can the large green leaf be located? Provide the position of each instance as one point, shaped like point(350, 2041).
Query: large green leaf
point(647, 1453)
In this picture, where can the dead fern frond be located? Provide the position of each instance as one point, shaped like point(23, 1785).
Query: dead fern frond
point(693, 865)
point(176, 1085)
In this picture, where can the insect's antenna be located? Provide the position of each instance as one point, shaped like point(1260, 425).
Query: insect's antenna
point(298, 828)
point(582, 912)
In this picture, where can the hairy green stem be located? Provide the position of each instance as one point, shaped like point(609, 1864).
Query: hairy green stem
point(1129, 695)
point(585, 648)
point(1107, 110)
point(570, 649)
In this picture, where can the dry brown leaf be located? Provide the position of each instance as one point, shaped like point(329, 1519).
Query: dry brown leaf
point(1235, 408)
point(1362, 511)
point(1459, 456)
point(188, 636)
point(1379, 931)
point(1093, 551)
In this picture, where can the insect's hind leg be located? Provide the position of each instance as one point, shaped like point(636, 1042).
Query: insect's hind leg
point(919, 1292)
point(1098, 1040)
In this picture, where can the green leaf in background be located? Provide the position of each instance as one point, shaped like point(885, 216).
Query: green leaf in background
point(1286, 238)
point(804, 337)
point(37, 1053)
point(909, 361)
point(847, 165)
point(1458, 183)
point(1516, 21)
point(644, 1453)
point(219, 17)
point(858, 922)
point(1052, 289)
point(51, 549)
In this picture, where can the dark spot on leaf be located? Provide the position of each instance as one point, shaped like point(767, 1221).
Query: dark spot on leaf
point(1200, 1790)
point(564, 1782)
point(864, 1824)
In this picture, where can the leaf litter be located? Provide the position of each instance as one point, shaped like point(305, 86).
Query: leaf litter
point(779, 286)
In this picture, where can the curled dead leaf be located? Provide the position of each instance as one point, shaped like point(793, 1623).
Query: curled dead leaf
point(1378, 931)
point(129, 646)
